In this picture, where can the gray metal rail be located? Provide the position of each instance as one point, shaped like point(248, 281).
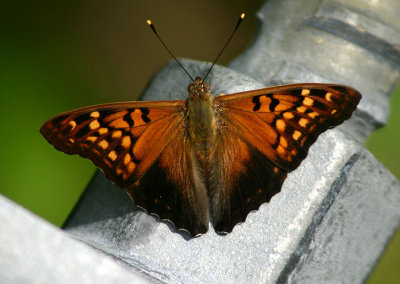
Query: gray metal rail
point(334, 215)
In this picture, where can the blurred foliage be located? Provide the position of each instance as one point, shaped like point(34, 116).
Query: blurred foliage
point(384, 144)
point(57, 56)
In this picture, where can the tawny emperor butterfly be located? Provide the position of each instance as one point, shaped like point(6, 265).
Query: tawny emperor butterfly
point(207, 157)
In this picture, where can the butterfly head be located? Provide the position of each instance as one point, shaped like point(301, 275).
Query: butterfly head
point(199, 94)
point(199, 87)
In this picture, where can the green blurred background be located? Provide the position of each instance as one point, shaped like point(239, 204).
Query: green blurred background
point(60, 55)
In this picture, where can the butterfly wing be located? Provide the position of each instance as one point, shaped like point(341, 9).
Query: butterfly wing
point(283, 122)
point(180, 195)
point(243, 179)
point(123, 139)
point(142, 147)
point(265, 134)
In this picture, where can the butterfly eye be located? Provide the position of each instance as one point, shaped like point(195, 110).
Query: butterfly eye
point(192, 88)
point(206, 87)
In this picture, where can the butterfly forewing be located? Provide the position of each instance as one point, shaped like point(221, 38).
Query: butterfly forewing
point(122, 139)
point(282, 122)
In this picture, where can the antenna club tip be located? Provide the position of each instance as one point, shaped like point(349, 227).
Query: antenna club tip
point(242, 15)
point(148, 21)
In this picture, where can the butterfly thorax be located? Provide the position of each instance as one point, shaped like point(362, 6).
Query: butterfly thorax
point(201, 118)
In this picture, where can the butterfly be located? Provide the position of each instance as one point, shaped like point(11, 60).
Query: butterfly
point(205, 158)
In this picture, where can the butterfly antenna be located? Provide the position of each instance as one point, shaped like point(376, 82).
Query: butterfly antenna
point(241, 17)
point(169, 51)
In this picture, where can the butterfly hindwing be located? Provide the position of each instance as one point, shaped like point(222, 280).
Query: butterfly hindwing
point(242, 179)
point(122, 139)
point(173, 187)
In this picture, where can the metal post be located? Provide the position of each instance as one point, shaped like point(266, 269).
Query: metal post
point(335, 213)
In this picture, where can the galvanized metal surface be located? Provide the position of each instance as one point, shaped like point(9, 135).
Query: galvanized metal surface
point(34, 251)
point(335, 213)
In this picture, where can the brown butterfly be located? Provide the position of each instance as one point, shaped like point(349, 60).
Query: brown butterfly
point(207, 157)
point(221, 156)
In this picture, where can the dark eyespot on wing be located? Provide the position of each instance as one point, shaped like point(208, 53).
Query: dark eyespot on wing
point(145, 112)
point(318, 92)
point(127, 117)
point(82, 118)
point(273, 104)
point(257, 104)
